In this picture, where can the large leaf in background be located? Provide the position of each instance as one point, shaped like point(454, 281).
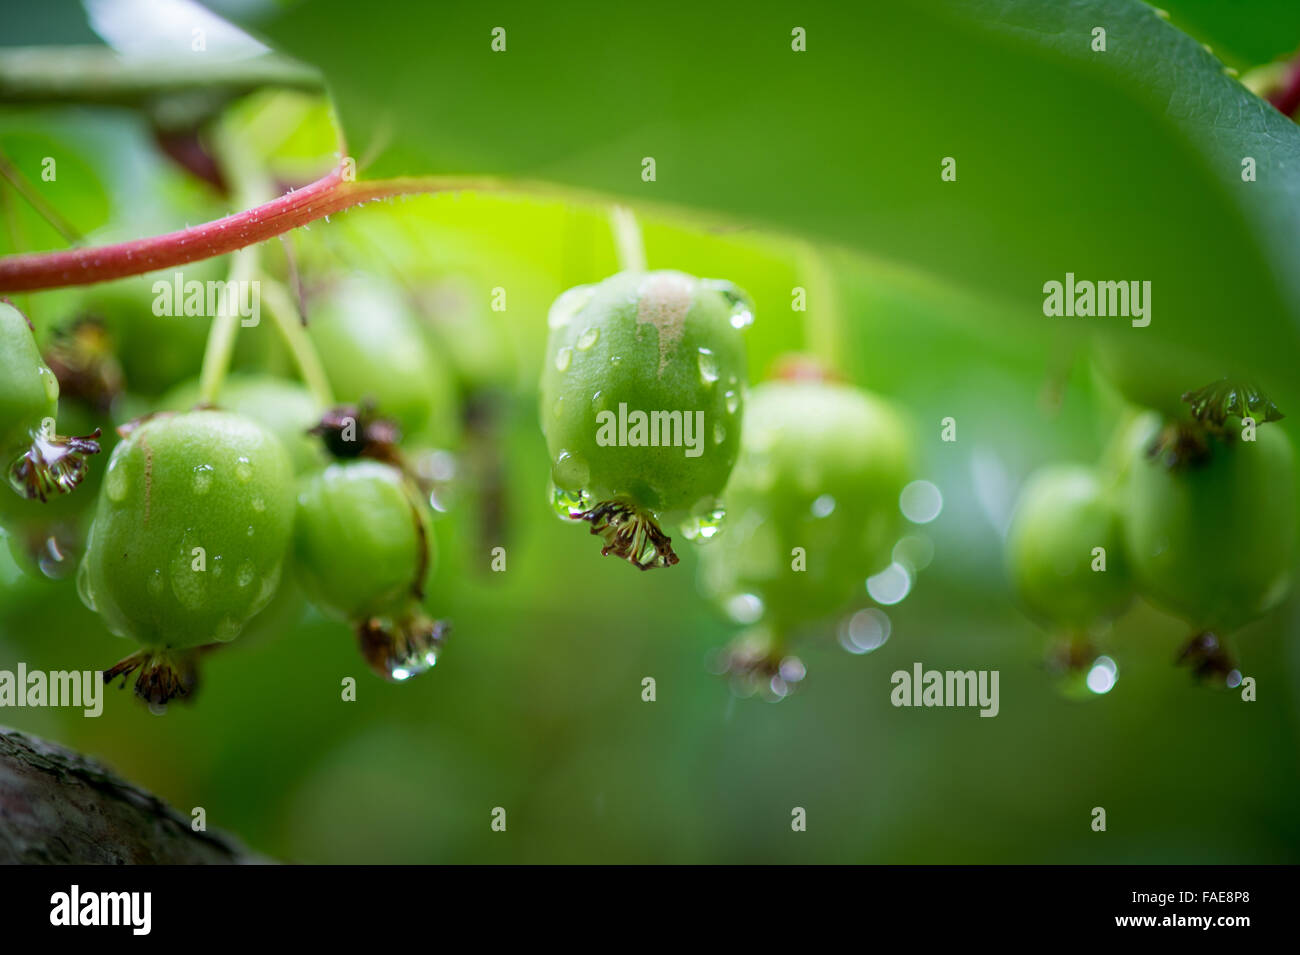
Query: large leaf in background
point(1117, 165)
point(1244, 34)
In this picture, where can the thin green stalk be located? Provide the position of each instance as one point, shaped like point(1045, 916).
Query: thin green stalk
point(221, 336)
point(627, 239)
point(284, 312)
point(823, 331)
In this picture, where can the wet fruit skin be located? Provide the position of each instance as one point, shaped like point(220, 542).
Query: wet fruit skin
point(29, 392)
point(360, 540)
point(177, 482)
point(821, 468)
point(364, 550)
point(1213, 542)
point(659, 341)
point(285, 408)
point(1063, 513)
point(372, 348)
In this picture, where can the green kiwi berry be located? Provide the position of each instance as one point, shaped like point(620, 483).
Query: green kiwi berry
point(642, 403)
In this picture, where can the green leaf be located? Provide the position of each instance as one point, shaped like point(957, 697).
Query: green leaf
point(1116, 165)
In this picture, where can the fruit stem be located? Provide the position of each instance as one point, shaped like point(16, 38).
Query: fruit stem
point(221, 336)
point(34, 271)
point(285, 314)
point(629, 246)
point(823, 330)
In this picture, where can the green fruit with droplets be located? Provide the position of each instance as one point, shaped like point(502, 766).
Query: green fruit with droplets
point(373, 350)
point(189, 535)
point(285, 408)
point(1212, 538)
point(37, 462)
point(642, 399)
point(364, 550)
point(1065, 550)
point(813, 504)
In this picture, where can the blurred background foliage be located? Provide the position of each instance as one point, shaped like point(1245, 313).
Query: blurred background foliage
point(931, 298)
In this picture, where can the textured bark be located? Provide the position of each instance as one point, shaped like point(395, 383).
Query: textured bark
point(59, 807)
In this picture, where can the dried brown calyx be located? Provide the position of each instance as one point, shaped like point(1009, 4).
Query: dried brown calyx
point(53, 464)
point(1209, 659)
point(356, 431)
point(629, 532)
point(164, 674)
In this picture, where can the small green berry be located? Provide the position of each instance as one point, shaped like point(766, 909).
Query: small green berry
point(189, 535)
point(37, 462)
point(364, 550)
point(642, 404)
point(813, 504)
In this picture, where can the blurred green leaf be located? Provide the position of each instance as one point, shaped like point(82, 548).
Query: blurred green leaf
point(1123, 164)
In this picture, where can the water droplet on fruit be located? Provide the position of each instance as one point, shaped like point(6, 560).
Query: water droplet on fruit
point(823, 506)
point(742, 309)
point(569, 304)
point(891, 585)
point(190, 586)
point(563, 358)
point(116, 483)
point(598, 402)
point(570, 471)
point(704, 524)
point(259, 505)
point(865, 631)
point(745, 608)
point(155, 582)
point(50, 383)
point(1102, 675)
point(588, 338)
point(227, 629)
point(243, 470)
point(202, 478)
point(733, 402)
point(708, 366)
point(83, 586)
point(920, 502)
point(557, 409)
point(568, 503)
point(719, 433)
point(244, 576)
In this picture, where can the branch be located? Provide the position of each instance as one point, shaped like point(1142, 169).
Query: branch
point(58, 807)
point(32, 272)
point(97, 75)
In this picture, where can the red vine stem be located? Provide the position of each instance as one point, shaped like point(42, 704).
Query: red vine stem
point(32, 272)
